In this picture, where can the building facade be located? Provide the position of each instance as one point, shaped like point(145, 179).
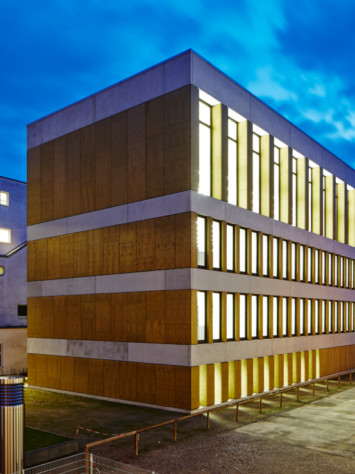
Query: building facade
point(13, 276)
point(187, 244)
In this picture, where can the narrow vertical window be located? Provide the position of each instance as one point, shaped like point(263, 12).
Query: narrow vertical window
point(323, 268)
point(254, 253)
point(336, 326)
point(254, 316)
point(242, 317)
point(336, 270)
point(323, 316)
point(284, 259)
point(232, 161)
point(294, 191)
point(302, 317)
point(316, 316)
point(265, 255)
point(309, 317)
point(330, 268)
point(276, 183)
point(346, 283)
point(275, 312)
point(216, 316)
point(275, 257)
point(293, 260)
point(316, 265)
point(309, 278)
point(205, 138)
point(346, 310)
point(330, 319)
point(201, 316)
point(302, 262)
point(201, 241)
point(230, 248)
point(293, 317)
point(310, 198)
point(284, 317)
point(230, 316)
point(265, 317)
point(256, 173)
point(323, 209)
point(341, 271)
point(242, 250)
point(216, 244)
point(341, 316)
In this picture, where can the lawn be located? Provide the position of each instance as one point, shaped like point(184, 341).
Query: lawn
point(36, 439)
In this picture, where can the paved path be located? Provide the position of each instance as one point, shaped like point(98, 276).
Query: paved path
point(326, 425)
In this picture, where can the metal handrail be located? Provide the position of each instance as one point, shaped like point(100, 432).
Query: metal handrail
point(12, 252)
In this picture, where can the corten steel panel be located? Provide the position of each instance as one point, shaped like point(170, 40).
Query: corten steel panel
point(88, 316)
point(165, 245)
point(261, 374)
point(60, 317)
point(155, 147)
point(34, 317)
point(94, 251)
point(111, 379)
point(59, 177)
point(136, 316)
point(187, 384)
point(165, 385)
point(155, 331)
point(271, 369)
point(67, 373)
point(119, 317)
point(47, 313)
point(31, 261)
point(87, 169)
point(110, 250)
point(183, 241)
point(103, 163)
point(47, 181)
point(54, 374)
point(42, 370)
point(53, 258)
point(146, 245)
point(66, 256)
point(128, 381)
point(210, 384)
point(81, 254)
point(41, 259)
point(81, 375)
point(224, 377)
point(73, 308)
point(128, 245)
point(103, 329)
point(34, 186)
point(119, 149)
point(136, 153)
point(146, 383)
point(32, 369)
point(155, 306)
point(73, 202)
point(96, 377)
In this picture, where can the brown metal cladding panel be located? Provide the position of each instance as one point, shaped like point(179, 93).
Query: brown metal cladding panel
point(224, 369)
point(111, 379)
point(165, 245)
point(53, 244)
point(110, 250)
point(183, 386)
point(177, 161)
point(32, 369)
point(155, 332)
point(128, 248)
point(73, 173)
point(41, 259)
point(48, 321)
point(96, 377)
point(31, 261)
point(34, 185)
point(54, 372)
point(119, 150)
point(136, 317)
point(60, 317)
point(103, 163)
point(103, 317)
point(81, 375)
point(145, 245)
point(146, 383)
point(87, 169)
point(60, 177)
point(177, 334)
point(81, 254)
point(165, 385)
point(183, 240)
point(73, 305)
point(67, 373)
point(34, 328)
point(136, 153)
point(42, 370)
point(66, 256)
point(128, 384)
point(155, 147)
point(119, 317)
point(155, 317)
point(94, 251)
point(47, 181)
point(88, 316)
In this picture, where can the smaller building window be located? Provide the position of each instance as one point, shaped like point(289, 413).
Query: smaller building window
point(216, 316)
point(201, 241)
point(2, 271)
point(5, 236)
point(22, 310)
point(254, 253)
point(216, 244)
point(254, 317)
point(230, 248)
point(265, 316)
point(230, 316)
point(284, 316)
point(4, 198)
point(242, 250)
point(265, 255)
point(201, 316)
point(275, 319)
point(242, 317)
point(302, 314)
point(275, 253)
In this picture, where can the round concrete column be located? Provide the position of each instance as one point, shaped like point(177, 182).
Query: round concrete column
point(12, 418)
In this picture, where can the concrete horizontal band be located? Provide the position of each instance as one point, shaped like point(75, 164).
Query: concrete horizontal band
point(184, 279)
point(185, 355)
point(187, 201)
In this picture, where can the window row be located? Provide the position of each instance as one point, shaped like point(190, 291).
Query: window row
point(266, 176)
point(255, 253)
point(239, 316)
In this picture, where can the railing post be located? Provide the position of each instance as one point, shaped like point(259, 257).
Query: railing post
point(86, 460)
point(91, 463)
point(260, 403)
point(136, 441)
point(208, 420)
point(237, 412)
point(175, 431)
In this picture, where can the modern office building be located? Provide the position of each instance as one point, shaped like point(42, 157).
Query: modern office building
point(187, 244)
point(13, 276)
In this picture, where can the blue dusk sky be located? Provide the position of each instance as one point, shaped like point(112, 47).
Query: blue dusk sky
point(297, 56)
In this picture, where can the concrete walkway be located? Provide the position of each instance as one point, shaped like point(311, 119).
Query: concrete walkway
point(326, 425)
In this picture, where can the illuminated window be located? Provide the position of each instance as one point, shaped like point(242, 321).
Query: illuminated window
point(2, 271)
point(293, 316)
point(230, 248)
point(316, 316)
point(294, 191)
point(242, 250)
point(265, 317)
point(302, 262)
point(276, 183)
point(254, 253)
point(4, 198)
point(242, 317)
point(310, 197)
point(284, 259)
point(302, 315)
point(275, 312)
point(346, 309)
point(341, 271)
point(293, 260)
point(330, 268)
point(341, 316)
point(330, 319)
point(352, 274)
point(201, 316)
point(323, 210)
point(265, 255)
point(216, 316)
point(284, 317)
point(256, 173)
point(230, 316)
point(323, 316)
point(336, 270)
point(216, 244)
point(336, 325)
point(205, 149)
point(254, 316)
point(232, 161)
point(275, 256)
point(5, 236)
point(201, 241)
point(309, 317)
point(323, 268)
point(346, 273)
point(316, 265)
point(309, 277)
